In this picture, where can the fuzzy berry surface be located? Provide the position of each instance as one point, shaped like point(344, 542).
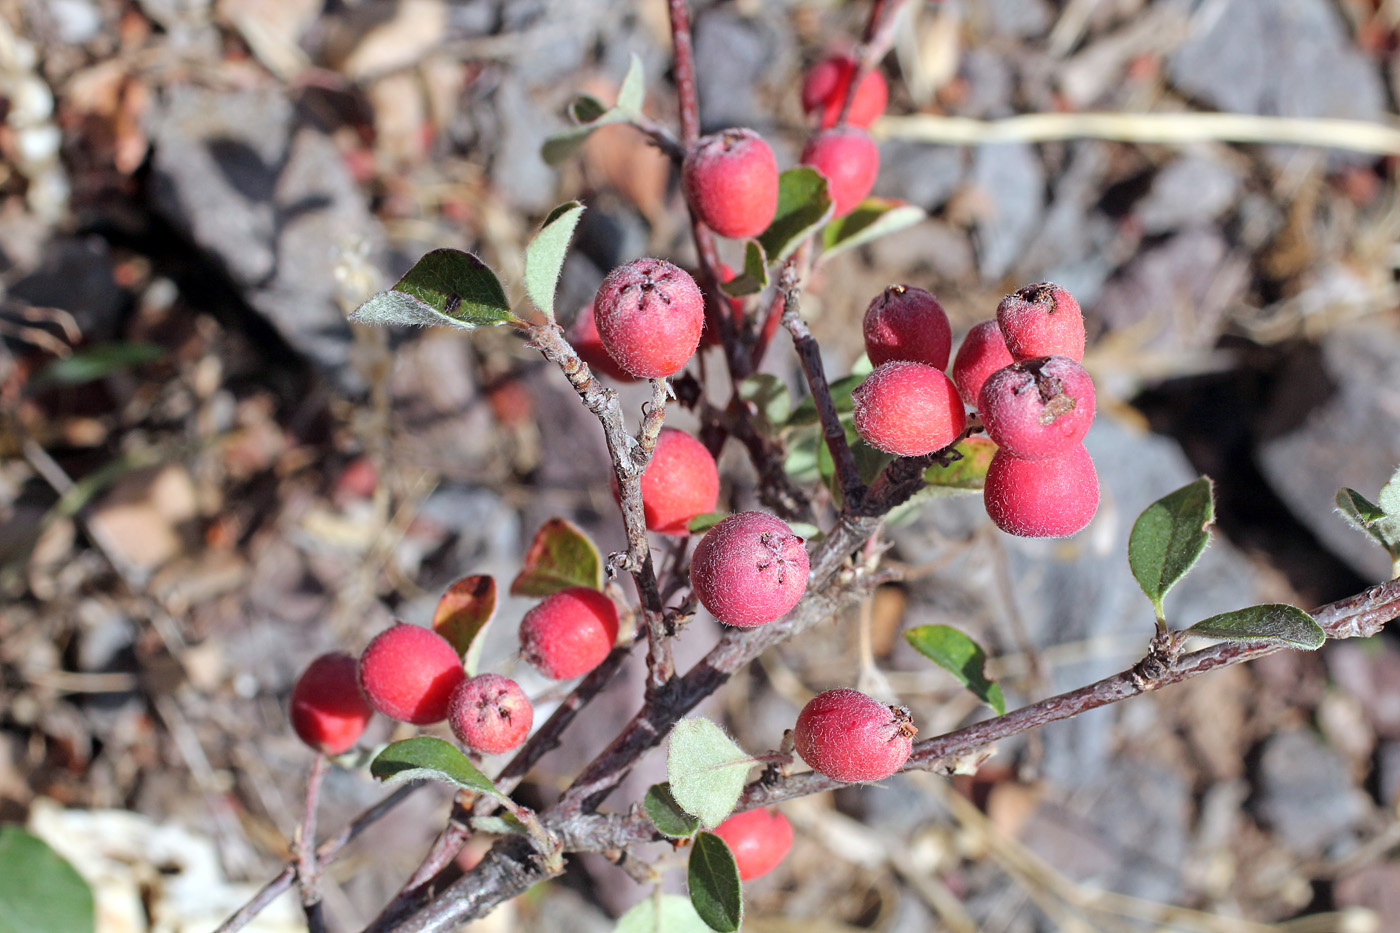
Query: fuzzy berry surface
point(759, 840)
point(907, 323)
point(680, 482)
point(731, 179)
point(1038, 409)
point(849, 160)
point(408, 673)
point(649, 314)
point(982, 353)
point(327, 710)
point(749, 569)
point(568, 633)
point(908, 409)
point(824, 91)
point(490, 714)
point(1042, 320)
point(849, 736)
point(1042, 498)
point(583, 334)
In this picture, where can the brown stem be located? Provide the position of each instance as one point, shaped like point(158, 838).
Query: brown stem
point(875, 43)
point(304, 849)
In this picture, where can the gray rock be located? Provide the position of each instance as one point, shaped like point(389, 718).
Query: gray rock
point(1074, 244)
point(990, 84)
point(518, 171)
point(76, 275)
point(1191, 190)
point(732, 55)
point(1305, 796)
point(1019, 19)
point(920, 174)
point(1010, 178)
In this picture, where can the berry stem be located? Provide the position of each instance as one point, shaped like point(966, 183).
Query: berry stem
point(875, 44)
point(308, 870)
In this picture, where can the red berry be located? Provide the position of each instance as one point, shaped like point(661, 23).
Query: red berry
point(1042, 320)
point(408, 673)
point(649, 315)
point(569, 633)
point(849, 160)
point(824, 89)
point(1038, 409)
point(749, 570)
point(490, 714)
point(731, 179)
point(583, 334)
point(328, 711)
point(758, 838)
point(982, 353)
point(907, 323)
point(1042, 498)
point(849, 736)
point(679, 483)
point(908, 409)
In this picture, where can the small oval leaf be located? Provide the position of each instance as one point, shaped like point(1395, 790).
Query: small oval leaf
point(872, 219)
point(706, 770)
point(666, 815)
point(561, 555)
point(664, 913)
point(446, 286)
point(705, 521)
point(755, 275)
point(804, 204)
point(426, 757)
point(463, 614)
point(713, 879)
point(960, 656)
point(1169, 536)
point(1275, 623)
point(544, 257)
point(968, 473)
point(39, 891)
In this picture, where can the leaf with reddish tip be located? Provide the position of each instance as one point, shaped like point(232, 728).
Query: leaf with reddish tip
point(463, 614)
point(561, 555)
point(968, 473)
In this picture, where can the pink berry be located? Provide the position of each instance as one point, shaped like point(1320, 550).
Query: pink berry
point(679, 483)
point(731, 179)
point(907, 323)
point(1042, 320)
point(758, 838)
point(908, 409)
point(824, 90)
point(583, 334)
point(982, 353)
point(569, 633)
point(849, 160)
point(1042, 498)
point(408, 673)
point(1038, 409)
point(749, 570)
point(490, 714)
point(849, 736)
point(649, 315)
point(328, 711)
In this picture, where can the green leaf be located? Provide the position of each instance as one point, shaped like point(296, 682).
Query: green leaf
point(544, 257)
point(446, 286)
point(666, 815)
point(590, 114)
point(586, 109)
point(561, 555)
point(705, 521)
point(1274, 623)
point(706, 770)
point(713, 879)
point(96, 362)
point(872, 219)
point(801, 460)
point(804, 204)
point(967, 474)
point(463, 614)
point(632, 94)
point(770, 395)
point(667, 913)
point(960, 656)
point(869, 461)
point(755, 274)
point(426, 757)
point(1168, 538)
point(39, 891)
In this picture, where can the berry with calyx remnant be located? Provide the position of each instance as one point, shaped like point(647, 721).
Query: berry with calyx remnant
point(749, 569)
point(408, 673)
point(825, 86)
point(328, 711)
point(1042, 498)
point(731, 179)
point(1038, 409)
point(583, 335)
point(908, 409)
point(849, 736)
point(569, 633)
point(679, 483)
point(982, 353)
point(649, 315)
point(490, 714)
point(1042, 320)
point(849, 160)
point(907, 323)
point(758, 838)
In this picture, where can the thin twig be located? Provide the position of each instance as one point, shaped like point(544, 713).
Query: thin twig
point(875, 43)
point(304, 848)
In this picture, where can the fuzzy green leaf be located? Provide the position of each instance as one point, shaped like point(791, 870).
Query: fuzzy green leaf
point(754, 276)
point(872, 219)
point(1274, 622)
point(804, 204)
point(1168, 537)
point(544, 257)
point(706, 770)
point(960, 656)
point(39, 891)
point(446, 286)
point(589, 114)
point(666, 815)
point(428, 758)
point(463, 614)
point(561, 555)
point(713, 880)
point(665, 913)
point(705, 521)
point(967, 474)
point(632, 94)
